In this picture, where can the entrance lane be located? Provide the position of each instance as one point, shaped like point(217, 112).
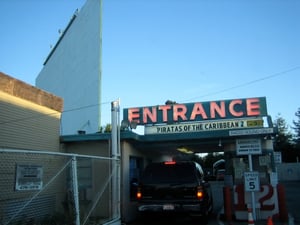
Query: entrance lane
point(292, 194)
point(292, 200)
point(175, 219)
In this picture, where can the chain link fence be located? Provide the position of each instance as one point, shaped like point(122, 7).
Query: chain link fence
point(55, 188)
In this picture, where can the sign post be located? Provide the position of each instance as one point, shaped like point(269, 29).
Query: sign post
point(250, 147)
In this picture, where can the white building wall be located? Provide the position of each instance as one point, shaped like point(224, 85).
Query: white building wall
point(73, 70)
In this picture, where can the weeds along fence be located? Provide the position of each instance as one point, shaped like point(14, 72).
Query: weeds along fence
point(55, 188)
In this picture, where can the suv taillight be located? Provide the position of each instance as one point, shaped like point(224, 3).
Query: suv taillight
point(200, 192)
point(139, 194)
point(170, 163)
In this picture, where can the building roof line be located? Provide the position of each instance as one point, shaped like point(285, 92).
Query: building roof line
point(22, 90)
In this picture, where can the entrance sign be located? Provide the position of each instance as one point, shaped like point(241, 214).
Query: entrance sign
point(252, 181)
point(248, 146)
point(197, 111)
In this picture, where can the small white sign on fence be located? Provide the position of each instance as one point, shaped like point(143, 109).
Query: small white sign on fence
point(29, 177)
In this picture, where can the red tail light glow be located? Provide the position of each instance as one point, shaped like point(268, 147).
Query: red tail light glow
point(138, 194)
point(170, 163)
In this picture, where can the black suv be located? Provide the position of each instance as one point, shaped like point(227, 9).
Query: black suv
point(175, 187)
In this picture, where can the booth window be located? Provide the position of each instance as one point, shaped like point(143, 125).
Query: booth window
point(261, 163)
point(135, 170)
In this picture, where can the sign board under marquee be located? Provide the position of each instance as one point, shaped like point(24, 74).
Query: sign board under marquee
point(197, 111)
point(242, 132)
point(248, 146)
point(203, 126)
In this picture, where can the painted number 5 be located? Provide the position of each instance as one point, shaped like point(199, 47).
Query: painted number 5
point(252, 185)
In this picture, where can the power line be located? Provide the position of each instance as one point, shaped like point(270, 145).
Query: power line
point(246, 84)
point(209, 94)
point(85, 107)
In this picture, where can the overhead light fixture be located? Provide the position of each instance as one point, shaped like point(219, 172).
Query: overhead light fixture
point(170, 102)
point(133, 125)
point(185, 150)
point(268, 137)
point(220, 143)
point(125, 124)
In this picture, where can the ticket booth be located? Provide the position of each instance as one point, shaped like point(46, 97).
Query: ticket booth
point(241, 128)
point(251, 180)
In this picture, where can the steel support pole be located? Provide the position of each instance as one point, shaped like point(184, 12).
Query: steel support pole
point(115, 145)
point(75, 190)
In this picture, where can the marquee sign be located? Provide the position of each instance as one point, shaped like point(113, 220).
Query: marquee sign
point(202, 126)
point(197, 111)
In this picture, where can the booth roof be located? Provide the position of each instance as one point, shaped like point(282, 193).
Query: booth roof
point(197, 142)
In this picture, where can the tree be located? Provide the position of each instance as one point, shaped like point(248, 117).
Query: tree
point(283, 140)
point(297, 130)
point(284, 136)
point(107, 128)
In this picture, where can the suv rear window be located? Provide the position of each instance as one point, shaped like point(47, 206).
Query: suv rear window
point(169, 173)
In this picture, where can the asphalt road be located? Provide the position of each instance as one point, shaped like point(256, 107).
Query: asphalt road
point(292, 194)
point(180, 219)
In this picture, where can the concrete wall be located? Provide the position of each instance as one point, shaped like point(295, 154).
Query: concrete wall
point(73, 70)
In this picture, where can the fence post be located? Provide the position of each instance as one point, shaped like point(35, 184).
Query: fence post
point(75, 190)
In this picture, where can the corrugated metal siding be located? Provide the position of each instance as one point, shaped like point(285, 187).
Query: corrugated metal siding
point(24, 127)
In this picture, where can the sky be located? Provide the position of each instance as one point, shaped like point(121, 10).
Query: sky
point(179, 50)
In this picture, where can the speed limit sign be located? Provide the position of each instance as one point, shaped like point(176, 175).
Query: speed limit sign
point(252, 181)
